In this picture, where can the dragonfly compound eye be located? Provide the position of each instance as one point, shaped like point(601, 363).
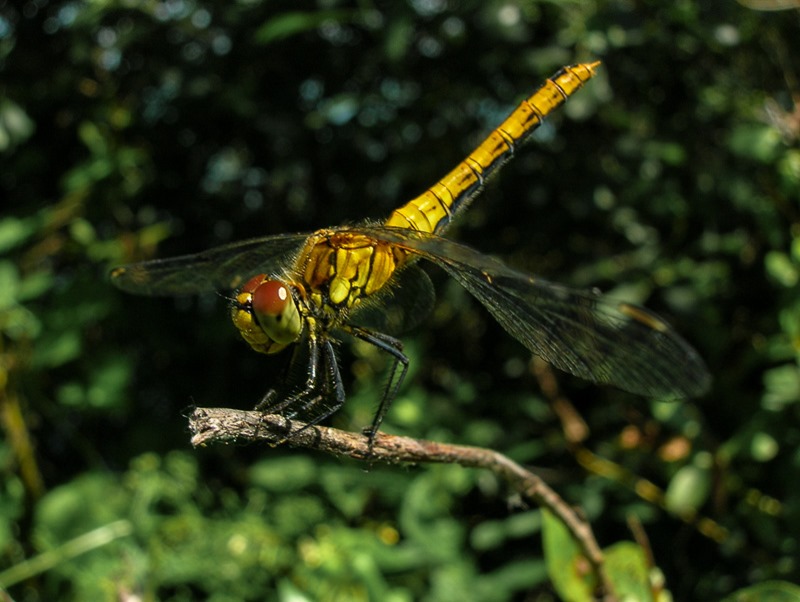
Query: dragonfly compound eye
point(276, 311)
point(270, 298)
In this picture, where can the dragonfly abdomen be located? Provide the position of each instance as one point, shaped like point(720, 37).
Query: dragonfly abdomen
point(433, 210)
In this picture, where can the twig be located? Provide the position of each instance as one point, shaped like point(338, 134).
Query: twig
point(211, 425)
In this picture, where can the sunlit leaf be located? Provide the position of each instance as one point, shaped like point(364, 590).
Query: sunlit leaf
point(569, 570)
point(688, 489)
point(755, 141)
point(782, 385)
point(764, 447)
point(782, 268)
point(15, 124)
point(626, 565)
point(15, 231)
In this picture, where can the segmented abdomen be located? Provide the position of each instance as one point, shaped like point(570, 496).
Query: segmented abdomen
point(433, 209)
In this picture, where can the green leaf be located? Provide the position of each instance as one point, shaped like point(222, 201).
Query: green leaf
point(399, 37)
point(755, 141)
point(283, 475)
point(9, 284)
point(57, 348)
point(492, 534)
point(92, 136)
point(764, 447)
point(688, 489)
point(15, 231)
point(769, 591)
point(288, 592)
point(569, 570)
point(34, 285)
point(626, 566)
point(15, 125)
point(82, 231)
point(293, 23)
point(782, 269)
point(340, 109)
point(19, 322)
point(671, 153)
point(86, 502)
point(109, 381)
point(781, 386)
point(789, 168)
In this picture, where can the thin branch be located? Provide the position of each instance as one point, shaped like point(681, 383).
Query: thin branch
point(212, 425)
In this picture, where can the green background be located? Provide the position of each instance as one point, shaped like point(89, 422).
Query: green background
point(132, 130)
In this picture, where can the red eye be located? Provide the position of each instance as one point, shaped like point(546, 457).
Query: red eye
point(271, 298)
point(253, 283)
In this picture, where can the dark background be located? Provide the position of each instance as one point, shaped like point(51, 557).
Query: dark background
point(136, 130)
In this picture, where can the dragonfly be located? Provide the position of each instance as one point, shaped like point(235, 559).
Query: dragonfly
point(309, 290)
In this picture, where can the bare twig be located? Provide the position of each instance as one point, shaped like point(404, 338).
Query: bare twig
point(211, 425)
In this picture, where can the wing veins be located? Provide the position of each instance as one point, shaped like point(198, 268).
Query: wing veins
point(580, 332)
point(215, 269)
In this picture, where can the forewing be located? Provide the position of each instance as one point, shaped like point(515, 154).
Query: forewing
point(220, 268)
point(588, 335)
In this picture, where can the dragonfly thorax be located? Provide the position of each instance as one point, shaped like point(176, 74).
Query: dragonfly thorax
point(266, 314)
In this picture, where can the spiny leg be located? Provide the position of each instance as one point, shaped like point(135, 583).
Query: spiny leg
point(393, 347)
point(314, 393)
point(333, 391)
point(268, 402)
point(311, 384)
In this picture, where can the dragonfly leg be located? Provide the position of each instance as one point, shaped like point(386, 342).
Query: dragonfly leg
point(333, 394)
point(270, 402)
point(323, 393)
point(317, 391)
point(397, 374)
point(280, 406)
point(266, 401)
point(334, 377)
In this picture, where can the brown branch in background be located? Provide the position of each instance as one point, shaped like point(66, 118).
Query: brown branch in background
point(13, 423)
point(214, 425)
point(573, 425)
point(576, 431)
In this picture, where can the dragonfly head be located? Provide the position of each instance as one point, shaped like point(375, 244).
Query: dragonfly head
point(266, 314)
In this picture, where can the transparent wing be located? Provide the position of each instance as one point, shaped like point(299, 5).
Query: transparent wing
point(406, 303)
point(221, 268)
point(588, 335)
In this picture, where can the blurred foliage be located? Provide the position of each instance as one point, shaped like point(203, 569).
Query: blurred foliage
point(132, 130)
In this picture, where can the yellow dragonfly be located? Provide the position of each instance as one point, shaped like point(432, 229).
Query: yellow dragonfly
point(363, 281)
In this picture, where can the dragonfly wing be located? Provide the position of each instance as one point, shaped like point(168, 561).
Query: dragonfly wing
point(589, 335)
point(221, 268)
point(407, 302)
point(586, 334)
